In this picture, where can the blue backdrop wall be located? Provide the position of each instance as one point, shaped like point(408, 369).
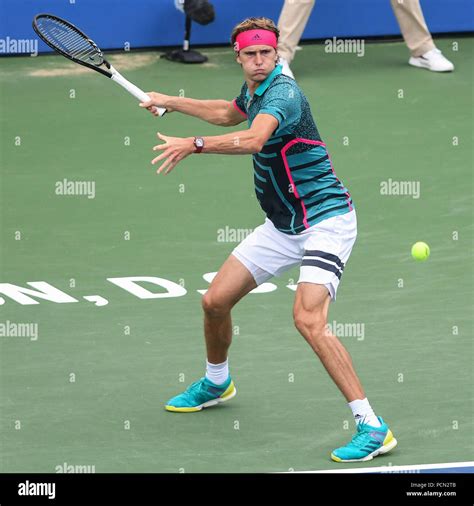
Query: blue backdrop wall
point(144, 23)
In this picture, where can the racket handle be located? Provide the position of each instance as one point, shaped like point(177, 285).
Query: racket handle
point(134, 90)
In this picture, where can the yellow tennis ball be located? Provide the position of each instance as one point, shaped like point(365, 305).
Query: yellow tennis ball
point(420, 251)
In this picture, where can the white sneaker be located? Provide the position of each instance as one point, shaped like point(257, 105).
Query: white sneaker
point(432, 60)
point(286, 67)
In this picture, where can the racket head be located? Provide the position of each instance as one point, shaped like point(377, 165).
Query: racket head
point(68, 40)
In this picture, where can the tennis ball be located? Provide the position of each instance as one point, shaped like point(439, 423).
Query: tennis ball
point(420, 251)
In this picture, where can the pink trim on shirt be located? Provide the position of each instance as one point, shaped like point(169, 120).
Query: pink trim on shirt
point(285, 148)
point(234, 103)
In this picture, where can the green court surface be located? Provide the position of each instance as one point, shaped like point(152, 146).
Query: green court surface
point(90, 390)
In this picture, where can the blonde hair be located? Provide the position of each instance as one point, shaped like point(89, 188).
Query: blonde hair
point(254, 24)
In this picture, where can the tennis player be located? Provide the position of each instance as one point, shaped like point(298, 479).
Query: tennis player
point(310, 221)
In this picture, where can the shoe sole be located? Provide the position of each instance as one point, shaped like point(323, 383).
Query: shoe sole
point(383, 449)
point(225, 397)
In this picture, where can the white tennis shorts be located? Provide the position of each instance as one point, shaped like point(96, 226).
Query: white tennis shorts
point(321, 251)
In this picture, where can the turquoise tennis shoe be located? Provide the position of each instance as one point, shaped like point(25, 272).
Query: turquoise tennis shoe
point(201, 394)
point(366, 444)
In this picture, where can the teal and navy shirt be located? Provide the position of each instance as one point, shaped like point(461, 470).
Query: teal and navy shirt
point(295, 182)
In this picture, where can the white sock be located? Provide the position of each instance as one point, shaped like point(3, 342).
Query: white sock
point(217, 373)
point(363, 412)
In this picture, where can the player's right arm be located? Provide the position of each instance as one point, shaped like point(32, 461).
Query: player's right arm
point(217, 112)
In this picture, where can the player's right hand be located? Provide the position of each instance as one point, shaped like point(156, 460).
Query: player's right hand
point(157, 100)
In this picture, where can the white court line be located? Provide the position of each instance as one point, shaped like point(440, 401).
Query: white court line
point(394, 469)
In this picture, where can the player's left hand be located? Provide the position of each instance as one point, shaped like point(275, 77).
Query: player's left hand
point(174, 149)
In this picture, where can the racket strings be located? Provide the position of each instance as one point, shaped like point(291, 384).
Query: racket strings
point(69, 41)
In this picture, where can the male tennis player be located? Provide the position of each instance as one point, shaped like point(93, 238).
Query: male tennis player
point(310, 222)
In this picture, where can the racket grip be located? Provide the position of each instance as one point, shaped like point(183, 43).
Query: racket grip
point(134, 90)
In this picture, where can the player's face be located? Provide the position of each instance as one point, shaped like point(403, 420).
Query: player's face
point(257, 62)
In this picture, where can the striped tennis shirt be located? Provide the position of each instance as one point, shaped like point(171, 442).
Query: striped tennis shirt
point(295, 182)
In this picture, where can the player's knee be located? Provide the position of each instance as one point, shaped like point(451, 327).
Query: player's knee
point(213, 305)
point(310, 323)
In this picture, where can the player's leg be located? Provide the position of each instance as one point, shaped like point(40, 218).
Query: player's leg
point(239, 274)
point(327, 250)
point(231, 283)
point(310, 316)
point(373, 436)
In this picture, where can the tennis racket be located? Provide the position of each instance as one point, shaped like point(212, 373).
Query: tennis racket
point(69, 41)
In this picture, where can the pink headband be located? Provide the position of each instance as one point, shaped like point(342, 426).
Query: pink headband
point(255, 38)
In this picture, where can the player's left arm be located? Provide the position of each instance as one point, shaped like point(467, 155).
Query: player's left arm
point(175, 149)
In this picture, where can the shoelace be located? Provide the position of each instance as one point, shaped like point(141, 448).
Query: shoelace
point(363, 435)
point(193, 386)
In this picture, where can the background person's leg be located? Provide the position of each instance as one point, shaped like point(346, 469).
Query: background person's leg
point(424, 53)
point(292, 22)
point(413, 26)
